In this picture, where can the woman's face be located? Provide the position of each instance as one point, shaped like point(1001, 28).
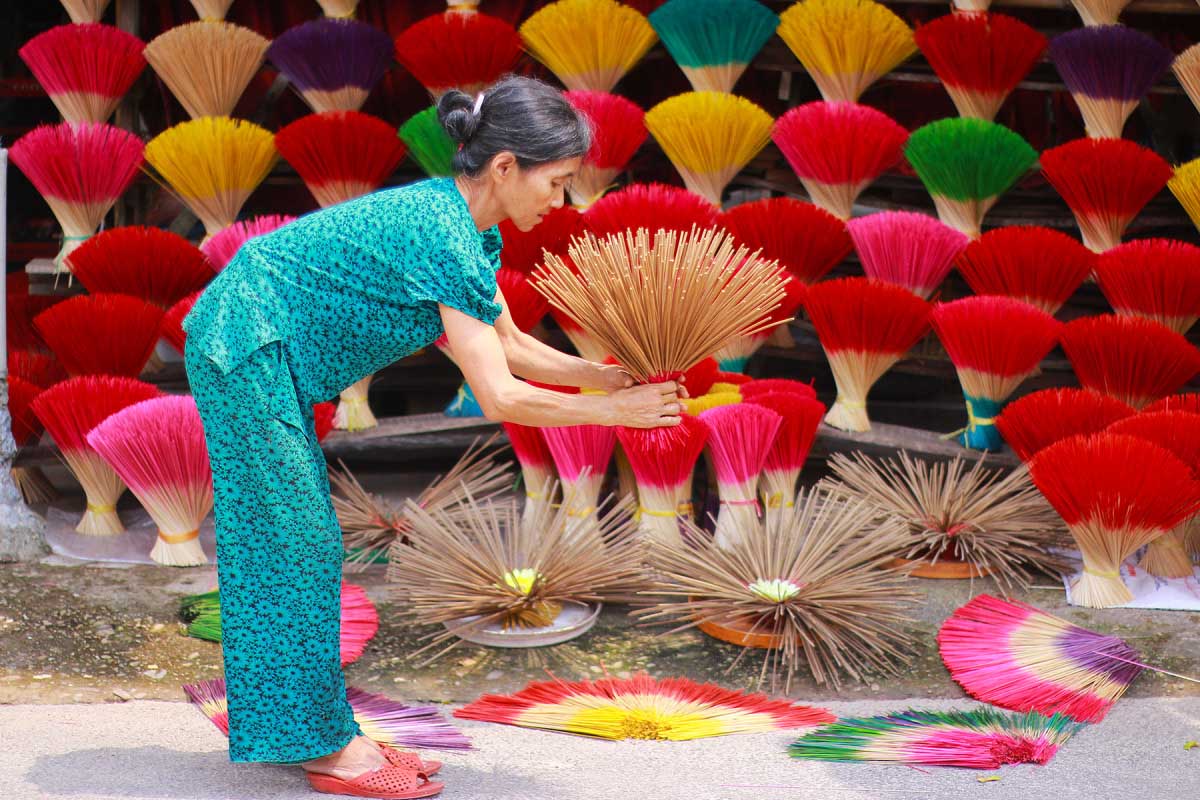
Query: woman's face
point(528, 195)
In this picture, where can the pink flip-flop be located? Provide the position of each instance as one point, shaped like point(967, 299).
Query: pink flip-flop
point(388, 782)
point(406, 760)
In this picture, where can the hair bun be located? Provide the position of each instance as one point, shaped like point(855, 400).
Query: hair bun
point(455, 112)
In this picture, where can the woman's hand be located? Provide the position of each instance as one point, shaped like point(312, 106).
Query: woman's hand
point(651, 405)
point(612, 378)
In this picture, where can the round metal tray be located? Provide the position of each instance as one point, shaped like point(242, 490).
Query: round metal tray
point(574, 620)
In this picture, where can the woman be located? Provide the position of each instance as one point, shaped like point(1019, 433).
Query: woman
point(303, 312)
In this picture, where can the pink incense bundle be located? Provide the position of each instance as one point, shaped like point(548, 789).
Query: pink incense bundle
point(757, 388)
point(1039, 266)
point(524, 251)
point(838, 149)
point(581, 453)
point(85, 69)
point(806, 240)
point(341, 154)
point(80, 169)
point(1178, 432)
point(101, 334)
point(649, 205)
point(458, 51)
point(865, 326)
point(1038, 420)
point(800, 418)
point(1106, 183)
point(618, 130)
point(360, 622)
point(69, 411)
point(739, 438)
point(1117, 494)
point(222, 246)
point(1135, 360)
point(663, 460)
point(171, 328)
point(537, 467)
point(153, 264)
point(1154, 278)
point(157, 447)
point(906, 248)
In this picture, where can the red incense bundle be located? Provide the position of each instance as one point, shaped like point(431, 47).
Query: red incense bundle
point(757, 388)
point(699, 379)
point(618, 130)
point(1035, 265)
point(524, 251)
point(537, 467)
point(171, 328)
point(458, 51)
point(838, 149)
point(1117, 494)
point(906, 248)
point(323, 420)
point(157, 447)
point(650, 205)
point(85, 69)
point(581, 453)
point(101, 334)
point(1154, 278)
point(1135, 360)
point(1038, 420)
point(806, 240)
point(25, 425)
point(221, 247)
point(995, 344)
point(1105, 182)
point(801, 417)
point(740, 438)
point(340, 154)
point(36, 367)
point(153, 264)
point(663, 460)
point(865, 326)
point(69, 411)
point(22, 307)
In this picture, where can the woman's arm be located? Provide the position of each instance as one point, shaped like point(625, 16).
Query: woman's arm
point(481, 357)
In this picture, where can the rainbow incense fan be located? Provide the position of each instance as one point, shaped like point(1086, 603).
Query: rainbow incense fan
point(85, 11)
point(207, 65)
point(1154, 278)
point(982, 738)
point(1018, 657)
point(966, 164)
point(653, 205)
point(846, 45)
point(581, 454)
point(641, 707)
point(618, 130)
point(80, 170)
point(171, 327)
point(223, 246)
point(382, 719)
point(371, 525)
point(69, 411)
point(865, 326)
point(1134, 360)
point(697, 291)
point(213, 164)
point(458, 51)
point(1038, 420)
point(1185, 185)
point(906, 248)
point(1012, 262)
point(151, 264)
point(1117, 493)
point(961, 521)
point(333, 64)
point(995, 344)
point(428, 143)
point(588, 44)
point(808, 587)
point(709, 137)
point(980, 58)
point(838, 149)
point(1108, 70)
point(101, 334)
point(538, 472)
point(800, 417)
point(340, 154)
point(1106, 183)
point(487, 578)
point(663, 461)
point(807, 241)
point(86, 69)
point(713, 41)
point(157, 448)
point(740, 437)
point(1187, 71)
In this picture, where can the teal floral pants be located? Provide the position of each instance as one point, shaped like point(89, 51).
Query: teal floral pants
point(279, 562)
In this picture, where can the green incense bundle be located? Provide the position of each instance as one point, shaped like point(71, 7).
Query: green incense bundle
point(428, 143)
point(712, 41)
point(202, 613)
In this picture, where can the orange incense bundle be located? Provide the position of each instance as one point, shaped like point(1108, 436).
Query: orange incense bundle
point(1154, 278)
point(1135, 360)
point(458, 51)
point(85, 69)
point(152, 264)
point(1038, 266)
point(101, 334)
point(618, 130)
point(1038, 420)
point(340, 154)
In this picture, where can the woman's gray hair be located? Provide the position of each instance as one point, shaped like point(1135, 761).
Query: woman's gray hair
point(523, 116)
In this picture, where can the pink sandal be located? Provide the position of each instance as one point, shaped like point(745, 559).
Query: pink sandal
point(388, 782)
point(406, 760)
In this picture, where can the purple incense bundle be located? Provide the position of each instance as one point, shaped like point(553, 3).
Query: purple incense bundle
point(333, 63)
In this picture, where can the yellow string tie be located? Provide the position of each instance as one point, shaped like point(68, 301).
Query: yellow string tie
point(96, 509)
point(354, 400)
point(178, 538)
point(849, 403)
point(654, 512)
point(535, 495)
point(1116, 574)
point(776, 501)
point(973, 421)
point(571, 512)
point(685, 510)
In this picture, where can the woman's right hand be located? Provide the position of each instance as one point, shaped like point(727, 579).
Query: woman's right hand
point(651, 405)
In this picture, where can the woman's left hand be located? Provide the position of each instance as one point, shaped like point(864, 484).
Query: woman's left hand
point(613, 378)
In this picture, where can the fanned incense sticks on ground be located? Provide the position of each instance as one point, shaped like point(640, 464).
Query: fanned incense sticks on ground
point(152, 264)
point(978, 739)
point(1038, 266)
point(846, 45)
point(809, 586)
point(838, 149)
point(340, 154)
point(713, 41)
point(485, 568)
point(1117, 494)
point(663, 460)
point(807, 241)
point(618, 130)
point(739, 439)
point(464, 51)
point(801, 416)
point(1185, 185)
point(661, 308)
point(101, 334)
point(428, 143)
point(207, 65)
point(996, 522)
point(333, 63)
point(588, 44)
point(641, 707)
point(1018, 657)
point(86, 69)
point(223, 246)
point(1154, 278)
point(906, 248)
point(709, 137)
point(1038, 420)
point(979, 58)
point(1132, 359)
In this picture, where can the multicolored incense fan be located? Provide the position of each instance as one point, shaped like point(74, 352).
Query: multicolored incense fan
point(713, 41)
point(587, 44)
point(618, 130)
point(333, 63)
point(458, 51)
point(1012, 262)
point(86, 69)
